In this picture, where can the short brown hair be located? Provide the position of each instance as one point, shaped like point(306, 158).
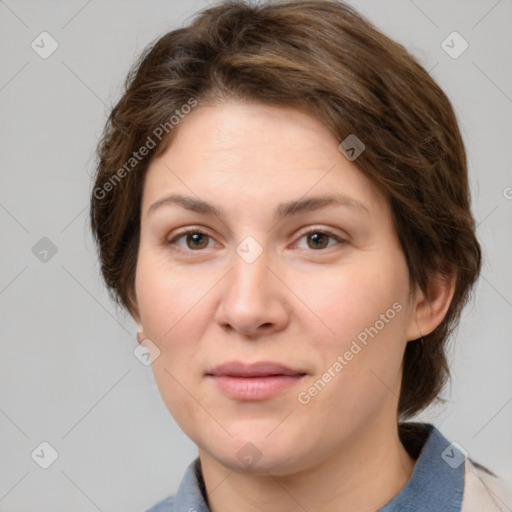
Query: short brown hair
point(323, 57)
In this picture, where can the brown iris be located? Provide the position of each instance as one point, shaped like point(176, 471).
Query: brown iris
point(200, 240)
point(319, 239)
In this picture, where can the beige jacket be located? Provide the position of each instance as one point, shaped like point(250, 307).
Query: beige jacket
point(484, 492)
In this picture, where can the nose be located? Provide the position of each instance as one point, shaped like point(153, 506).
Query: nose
point(254, 301)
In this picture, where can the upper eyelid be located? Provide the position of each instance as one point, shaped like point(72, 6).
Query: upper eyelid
point(187, 231)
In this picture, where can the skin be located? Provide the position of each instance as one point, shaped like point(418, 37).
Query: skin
point(300, 303)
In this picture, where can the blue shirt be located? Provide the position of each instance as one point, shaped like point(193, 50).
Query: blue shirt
point(436, 483)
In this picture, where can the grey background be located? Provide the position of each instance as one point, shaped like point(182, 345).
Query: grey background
point(67, 372)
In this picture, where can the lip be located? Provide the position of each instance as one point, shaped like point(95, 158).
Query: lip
point(256, 381)
point(257, 369)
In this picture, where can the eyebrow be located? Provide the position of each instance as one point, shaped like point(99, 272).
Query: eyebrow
point(288, 209)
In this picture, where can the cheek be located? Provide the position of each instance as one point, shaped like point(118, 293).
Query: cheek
point(170, 307)
point(365, 306)
point(166, 296)
point(352, 298)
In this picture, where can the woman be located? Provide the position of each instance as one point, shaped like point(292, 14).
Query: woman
point(282, 205)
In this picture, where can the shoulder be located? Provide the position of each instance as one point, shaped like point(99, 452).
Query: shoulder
point(189, 496)
point(484, 491)
point(165, 505)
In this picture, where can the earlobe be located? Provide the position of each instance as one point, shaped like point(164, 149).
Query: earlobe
point(140, 334)
point(431, 308)
point(140, 329)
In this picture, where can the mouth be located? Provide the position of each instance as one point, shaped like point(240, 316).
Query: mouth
point(257, 381)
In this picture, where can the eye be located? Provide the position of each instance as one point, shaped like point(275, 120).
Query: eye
point(194, 239)
point(318, 239)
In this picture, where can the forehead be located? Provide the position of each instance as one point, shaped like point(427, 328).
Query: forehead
point(266, 154)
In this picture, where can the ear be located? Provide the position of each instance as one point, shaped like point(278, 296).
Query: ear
point(133, 309)
point(140, 334)
point(430, 308)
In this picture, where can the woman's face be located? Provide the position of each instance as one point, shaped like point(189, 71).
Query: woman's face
point(250, 285)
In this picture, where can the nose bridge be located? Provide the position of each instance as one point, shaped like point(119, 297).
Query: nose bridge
point(250, 276)
point(250, 296)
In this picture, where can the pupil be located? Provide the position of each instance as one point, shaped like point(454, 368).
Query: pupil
point(317, 237)
point(196, 237)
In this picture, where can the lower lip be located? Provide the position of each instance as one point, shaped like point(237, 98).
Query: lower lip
point(255, 388)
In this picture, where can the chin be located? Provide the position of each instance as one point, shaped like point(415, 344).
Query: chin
point(260, 455)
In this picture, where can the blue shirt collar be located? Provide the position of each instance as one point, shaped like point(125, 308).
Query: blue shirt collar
point(437, 481)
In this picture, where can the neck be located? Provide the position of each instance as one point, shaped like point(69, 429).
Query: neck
point(362, 475)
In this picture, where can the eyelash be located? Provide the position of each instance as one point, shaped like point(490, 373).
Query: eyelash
point(327, 232)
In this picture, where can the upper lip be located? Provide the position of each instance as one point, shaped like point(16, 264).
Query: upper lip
point(258, 369)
